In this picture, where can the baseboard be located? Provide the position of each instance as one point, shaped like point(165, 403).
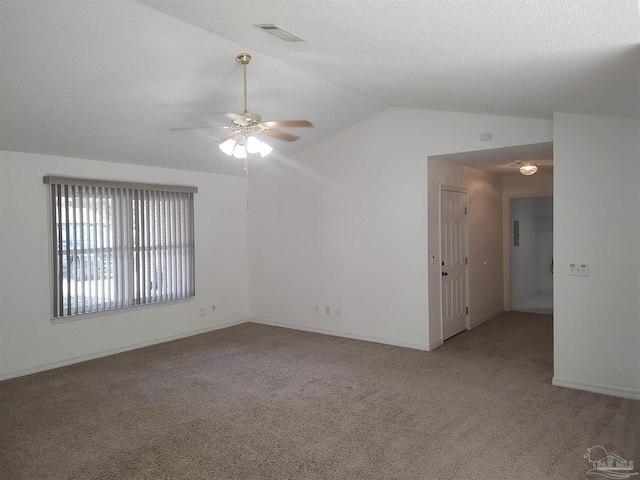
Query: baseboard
point(337, 333)
point(435, 345)
point(590, 387)
point(113, 351)
point(485, 318)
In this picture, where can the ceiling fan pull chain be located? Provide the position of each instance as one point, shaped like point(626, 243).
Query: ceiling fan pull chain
point(246, 169)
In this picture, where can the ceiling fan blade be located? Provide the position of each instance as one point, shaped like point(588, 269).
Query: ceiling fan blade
point(280, 135)
point(288, 124)
point(196, 128)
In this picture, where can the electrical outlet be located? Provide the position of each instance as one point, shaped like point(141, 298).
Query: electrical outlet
point(203, 312)
point(317, 310)
point(338, 311)
point(327, 310)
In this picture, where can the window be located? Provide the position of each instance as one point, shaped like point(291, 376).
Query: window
point(117, 245)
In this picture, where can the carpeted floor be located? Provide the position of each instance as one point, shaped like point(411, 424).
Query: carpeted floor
point(259, 402)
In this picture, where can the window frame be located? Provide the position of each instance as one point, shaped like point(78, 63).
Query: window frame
point(136, 192)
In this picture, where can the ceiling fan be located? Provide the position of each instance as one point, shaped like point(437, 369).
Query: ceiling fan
point(246, 124)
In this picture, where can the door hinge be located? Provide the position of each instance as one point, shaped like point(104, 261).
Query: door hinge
point(466, 310)
point(465, 210)
point(466, 261)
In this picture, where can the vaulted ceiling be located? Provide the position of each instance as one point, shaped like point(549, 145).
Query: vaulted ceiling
point(107, 80)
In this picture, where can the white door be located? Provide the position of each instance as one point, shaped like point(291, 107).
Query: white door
point(453, 253)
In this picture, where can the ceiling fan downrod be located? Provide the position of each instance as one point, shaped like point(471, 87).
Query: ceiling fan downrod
point(244, 59)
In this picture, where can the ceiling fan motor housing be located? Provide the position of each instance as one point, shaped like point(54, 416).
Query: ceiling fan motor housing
point(247, 120)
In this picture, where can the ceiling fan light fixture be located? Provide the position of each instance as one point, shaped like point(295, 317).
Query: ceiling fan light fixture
point(253, 144)
point(265, 149)
point(240, 147)
point(227, 146)
point(528, 168)
point(240, 151)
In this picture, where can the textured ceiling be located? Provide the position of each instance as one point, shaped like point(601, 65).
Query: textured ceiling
point(106, 80)
point(509, 57)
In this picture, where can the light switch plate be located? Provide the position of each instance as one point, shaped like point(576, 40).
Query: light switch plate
point(578, 270)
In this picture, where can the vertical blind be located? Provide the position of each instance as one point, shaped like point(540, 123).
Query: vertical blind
point(117, 245)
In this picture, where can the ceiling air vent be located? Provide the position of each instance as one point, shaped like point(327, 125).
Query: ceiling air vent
point(280, 32)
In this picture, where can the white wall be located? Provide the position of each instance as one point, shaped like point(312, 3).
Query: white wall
point(544, 215)
point(484, 239)
point(596, 212)
point(30, 342)
point(345, 224)
point(1, 250)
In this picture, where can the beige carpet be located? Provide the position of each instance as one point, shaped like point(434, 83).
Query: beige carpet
point(259, 402)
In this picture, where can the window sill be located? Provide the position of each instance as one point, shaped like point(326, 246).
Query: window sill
point(117, 311)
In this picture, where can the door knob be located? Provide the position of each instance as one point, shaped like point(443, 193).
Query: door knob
point(444, 274)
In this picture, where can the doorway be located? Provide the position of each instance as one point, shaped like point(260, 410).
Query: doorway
point(491, 178)
point(531, 254)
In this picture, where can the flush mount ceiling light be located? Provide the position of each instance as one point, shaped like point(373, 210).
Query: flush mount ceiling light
point(527, 168)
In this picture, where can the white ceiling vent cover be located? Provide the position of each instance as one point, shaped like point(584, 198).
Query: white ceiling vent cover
point(280, 32)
